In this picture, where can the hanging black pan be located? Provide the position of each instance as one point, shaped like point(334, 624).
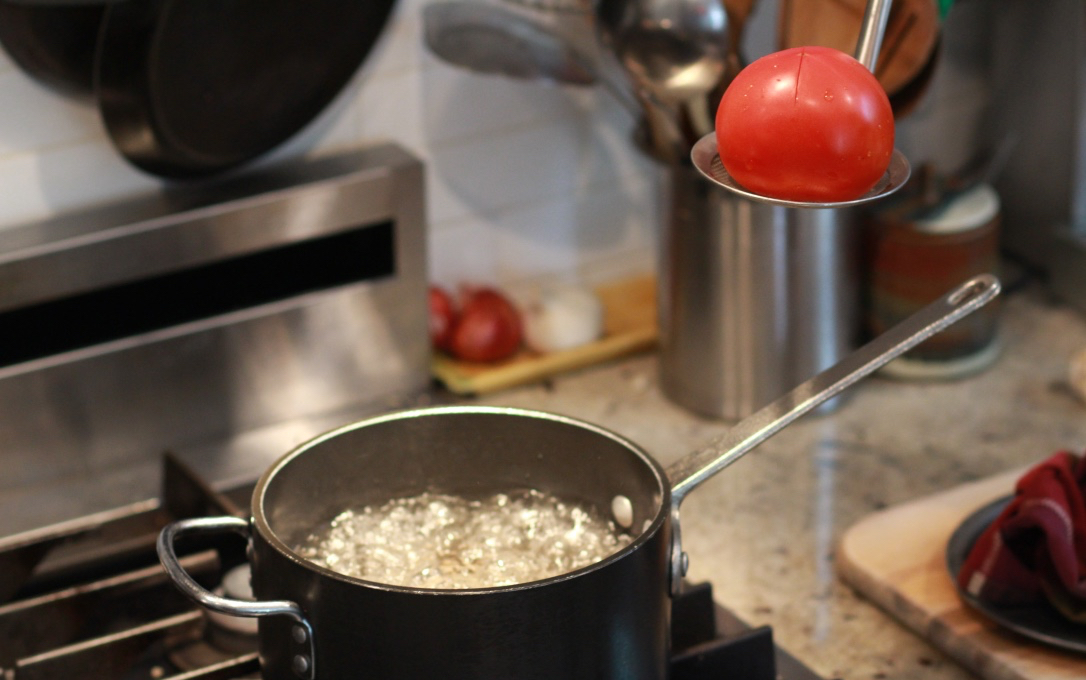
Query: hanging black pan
point(192, 88)
point(188, 88)
point(53, 43)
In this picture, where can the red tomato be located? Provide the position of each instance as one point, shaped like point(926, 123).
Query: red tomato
point(805, 124)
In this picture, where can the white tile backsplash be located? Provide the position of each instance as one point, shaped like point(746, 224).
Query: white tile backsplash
point(33, 117)
point(524, 179)
point(63, 178)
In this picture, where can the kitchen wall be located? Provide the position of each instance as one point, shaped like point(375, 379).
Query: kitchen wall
point(524, 179)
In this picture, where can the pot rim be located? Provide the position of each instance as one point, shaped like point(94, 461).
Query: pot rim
point(659, 520)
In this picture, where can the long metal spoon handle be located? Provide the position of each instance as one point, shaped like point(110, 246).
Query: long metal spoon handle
point(689, 472)
point(872, 28)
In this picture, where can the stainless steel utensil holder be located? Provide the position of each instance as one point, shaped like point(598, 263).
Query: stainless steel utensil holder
point(753, 298)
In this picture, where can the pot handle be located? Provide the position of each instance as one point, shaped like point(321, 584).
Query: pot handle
point(693, 469)
point(690, 471)
point(304, 661)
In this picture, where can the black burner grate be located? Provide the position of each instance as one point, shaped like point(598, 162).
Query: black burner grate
point(88, 600)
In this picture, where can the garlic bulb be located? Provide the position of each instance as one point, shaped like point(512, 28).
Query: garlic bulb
point(562, 317)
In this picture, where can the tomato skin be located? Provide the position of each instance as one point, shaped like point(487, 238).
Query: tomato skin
point(805, 124)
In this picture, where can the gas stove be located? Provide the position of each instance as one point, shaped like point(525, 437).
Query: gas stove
point(225, 323)
point(87, 599)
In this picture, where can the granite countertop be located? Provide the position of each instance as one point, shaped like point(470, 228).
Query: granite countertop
point(763, 531)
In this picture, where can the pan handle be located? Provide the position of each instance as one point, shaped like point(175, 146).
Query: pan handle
point(690, 471)
point(687, 473)
point(303, 662)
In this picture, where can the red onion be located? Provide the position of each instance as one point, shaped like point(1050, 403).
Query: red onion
point(488, 327)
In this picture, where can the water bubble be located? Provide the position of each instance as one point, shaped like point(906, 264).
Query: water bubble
point(445, 542)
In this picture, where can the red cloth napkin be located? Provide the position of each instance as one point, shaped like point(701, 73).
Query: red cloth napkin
point(1036, 548)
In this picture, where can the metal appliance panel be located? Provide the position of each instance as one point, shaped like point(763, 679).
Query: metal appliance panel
point(320, 347)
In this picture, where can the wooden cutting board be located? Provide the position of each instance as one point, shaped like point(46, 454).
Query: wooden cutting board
point(629, 325)
point(896, 558)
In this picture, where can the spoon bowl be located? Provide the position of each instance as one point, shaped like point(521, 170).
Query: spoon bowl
point(707, 160)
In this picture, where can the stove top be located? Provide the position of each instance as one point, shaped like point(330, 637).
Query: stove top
point(88, 599)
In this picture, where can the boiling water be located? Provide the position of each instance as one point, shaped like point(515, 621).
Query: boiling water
point(445, 542)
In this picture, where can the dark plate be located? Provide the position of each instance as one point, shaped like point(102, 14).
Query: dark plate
point(1040, 622)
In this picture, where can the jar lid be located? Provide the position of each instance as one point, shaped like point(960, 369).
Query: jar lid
point(973, 208)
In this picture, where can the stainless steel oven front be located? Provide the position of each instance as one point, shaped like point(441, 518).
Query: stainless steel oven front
point(208, 313)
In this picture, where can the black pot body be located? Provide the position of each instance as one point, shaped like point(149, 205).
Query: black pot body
point(607, 621)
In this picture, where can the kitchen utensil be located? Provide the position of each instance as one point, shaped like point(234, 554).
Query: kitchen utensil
point(908, 58)
point(694, 469)
point(62, 3)
point(738, 13)
point(713, 38)
point(659, 131)
point(675, 49)
point(754, 298)
point(1040, 622)
point(53, 44)
point(910, 37)
point(707, 160)
point(555, 46)
point(492, 38)
point(658, 126)
point(189, 88)
point(608, 620)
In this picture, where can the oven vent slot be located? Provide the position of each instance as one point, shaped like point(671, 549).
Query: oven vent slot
point(209, 290)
